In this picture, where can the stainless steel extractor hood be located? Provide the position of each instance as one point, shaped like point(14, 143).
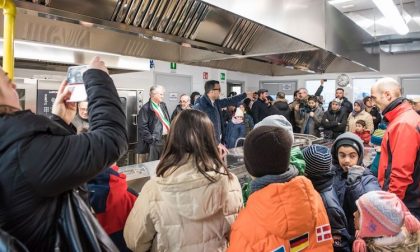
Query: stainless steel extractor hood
point(282, 37)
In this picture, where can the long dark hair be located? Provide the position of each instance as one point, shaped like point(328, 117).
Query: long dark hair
point(191, 136)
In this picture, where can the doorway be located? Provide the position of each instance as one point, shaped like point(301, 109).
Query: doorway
point(235, 86)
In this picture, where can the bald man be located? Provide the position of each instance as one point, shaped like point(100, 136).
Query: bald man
point(399, 165)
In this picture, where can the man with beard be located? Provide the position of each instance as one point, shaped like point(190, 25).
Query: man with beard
point(345, 103)
point(311, 120)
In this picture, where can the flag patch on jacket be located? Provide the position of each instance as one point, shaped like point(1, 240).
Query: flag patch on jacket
point(323, 233)
point(279, 249)
point(299, 243)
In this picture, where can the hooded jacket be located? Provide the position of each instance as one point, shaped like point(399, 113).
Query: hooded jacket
point(184, 211)
point(41, 159)
point(399, 165)
point(348, 192)
point(283, 216)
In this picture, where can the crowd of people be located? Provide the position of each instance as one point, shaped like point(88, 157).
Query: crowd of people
point(61, 190)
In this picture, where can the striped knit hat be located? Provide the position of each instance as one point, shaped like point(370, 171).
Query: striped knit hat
point(318, 160)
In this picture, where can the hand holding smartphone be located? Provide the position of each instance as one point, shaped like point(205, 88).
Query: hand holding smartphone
point(75, 83)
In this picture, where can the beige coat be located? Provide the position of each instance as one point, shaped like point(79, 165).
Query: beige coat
point(363, 115)
point(184, 212)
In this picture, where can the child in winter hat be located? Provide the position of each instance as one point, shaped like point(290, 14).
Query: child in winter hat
point(318, 169)
point(385, 224)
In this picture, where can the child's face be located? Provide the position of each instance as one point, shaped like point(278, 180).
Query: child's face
point(359, 128)
point(311, 104)
point(347, 157)
point(356, 220)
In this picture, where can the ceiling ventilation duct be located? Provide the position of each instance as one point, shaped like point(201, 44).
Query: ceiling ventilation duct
point(284, 37)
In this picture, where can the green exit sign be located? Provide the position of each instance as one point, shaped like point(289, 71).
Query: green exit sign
point(222, 76)
point(173, 65)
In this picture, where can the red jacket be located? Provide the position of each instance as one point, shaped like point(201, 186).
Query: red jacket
point(283, 217)
point(400, 154)
point(365, 136)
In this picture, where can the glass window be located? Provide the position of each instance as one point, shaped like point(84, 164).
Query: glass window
point(361, 88)
point(328, 93)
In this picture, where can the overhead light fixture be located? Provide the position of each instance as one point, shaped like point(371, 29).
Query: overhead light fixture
point(339, 1)
point(348, 6)
point(391, 13)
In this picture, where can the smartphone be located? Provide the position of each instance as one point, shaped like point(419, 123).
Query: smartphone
point(75, 83)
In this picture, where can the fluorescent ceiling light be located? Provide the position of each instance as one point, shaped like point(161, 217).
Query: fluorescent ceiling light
point(348, 6)
point(390, 12)
point(338, 1)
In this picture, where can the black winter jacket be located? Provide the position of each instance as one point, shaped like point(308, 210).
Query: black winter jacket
point(346, 105)
point(40, 159)
point(149, 127)
point(283, 108)
point(336, 215)
point(376, 116)
point(348, 192)
point(334, 123)
point(259, 110)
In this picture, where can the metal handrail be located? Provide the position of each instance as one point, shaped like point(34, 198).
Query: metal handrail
point(9, 13)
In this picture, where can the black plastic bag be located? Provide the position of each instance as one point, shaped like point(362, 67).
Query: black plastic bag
point(10, 243)
point(78, 229)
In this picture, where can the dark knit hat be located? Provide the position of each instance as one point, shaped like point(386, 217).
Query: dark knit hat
point(318, 160)
point(267, 151)
point(348, 142)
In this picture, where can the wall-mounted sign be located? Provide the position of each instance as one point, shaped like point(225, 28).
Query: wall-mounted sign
point(173, 67)
point(173, 96)
point(287, 86)
point(205, 75)
point(45, 101)
point(152, 64)
point(222, 76)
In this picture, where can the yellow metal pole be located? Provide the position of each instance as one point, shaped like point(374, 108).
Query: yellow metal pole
point(9, 13)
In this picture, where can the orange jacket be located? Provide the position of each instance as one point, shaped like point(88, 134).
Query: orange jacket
point(283, 217)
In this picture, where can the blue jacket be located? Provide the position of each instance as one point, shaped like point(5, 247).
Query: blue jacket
point(214, 112)
point(233, 132)
point(336, 215)
point(348, 192)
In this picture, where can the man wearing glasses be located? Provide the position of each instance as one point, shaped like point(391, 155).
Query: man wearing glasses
point(184, 103)
point(210, 104)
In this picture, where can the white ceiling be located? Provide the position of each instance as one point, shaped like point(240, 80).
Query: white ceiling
point(366, 15)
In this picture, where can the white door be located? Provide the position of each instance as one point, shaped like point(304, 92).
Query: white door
point(175, 85)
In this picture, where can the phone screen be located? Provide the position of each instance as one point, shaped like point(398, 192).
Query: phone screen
point(76, 85)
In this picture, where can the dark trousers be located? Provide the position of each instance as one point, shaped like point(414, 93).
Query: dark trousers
point(156, 149)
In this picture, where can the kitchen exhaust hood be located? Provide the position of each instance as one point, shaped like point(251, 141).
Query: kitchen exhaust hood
point(268, 37)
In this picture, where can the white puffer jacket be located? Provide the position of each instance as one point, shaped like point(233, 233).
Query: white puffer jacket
point(363, 115)
point(184, 212)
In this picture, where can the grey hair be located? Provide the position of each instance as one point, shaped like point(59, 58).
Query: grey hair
point(154, 88)
point(189, 98)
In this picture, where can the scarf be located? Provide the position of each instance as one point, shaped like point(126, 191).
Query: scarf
point(362, 107)
point(237, 120)
point(159, 113)
point(261, 182)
